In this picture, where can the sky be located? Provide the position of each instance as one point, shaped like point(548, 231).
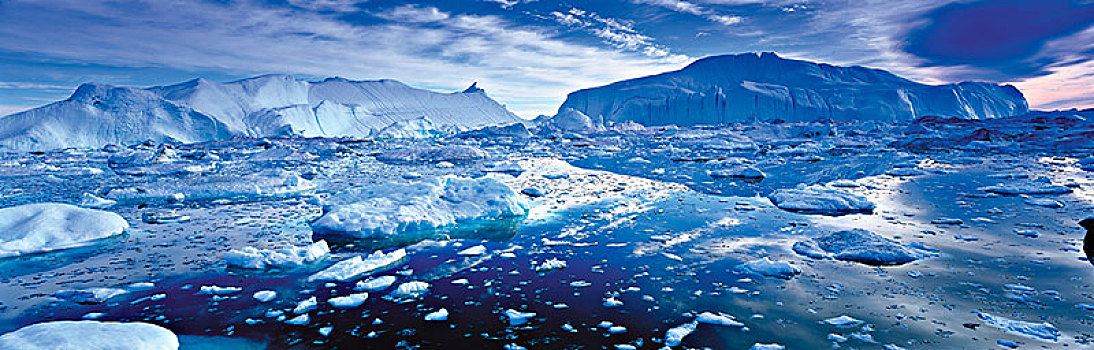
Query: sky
point(528, 54)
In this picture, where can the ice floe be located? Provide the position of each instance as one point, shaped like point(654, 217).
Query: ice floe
point(90, 335)
point(357, 266)
point(771, 268)
point(820, 200)
point(860, 246)
point(44, 227)
point(254, 258)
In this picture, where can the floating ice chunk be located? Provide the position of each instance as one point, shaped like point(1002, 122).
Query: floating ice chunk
point(512, 346)
point(88, 200)
point(349, 301)
point(306, 305)
point(1037, 186)
point(1045, 202)
point(325, 331)
point(383, 210)
point(902, 172)
point(218, 290)
point(1040, 331)
point(473, 251)
point(675, 335)
point(617, 330)
point(534, 192)
point(44, 227)
point(265, 296)
point(439, 315)
point(744, 172)
point(550, 265)
point(447, 153)
point(375, 284)
point(771, 346)
point(272, 183)
point(79, 335)
point(254, 258)
point(718, 319)
point(947, 221)
point(771, 268)
point(357, 266)
point(410, 290)
point(843, 321)
point(517, 318)
point(820, 200)
point(612, 302)
point(860, 246)
point(299, 320)
point(90, 295)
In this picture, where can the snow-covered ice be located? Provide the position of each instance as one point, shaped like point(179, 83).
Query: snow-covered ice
point(44, 227)
point(90, 335)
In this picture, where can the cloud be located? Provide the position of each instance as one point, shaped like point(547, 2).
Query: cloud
point(507, 4)
point(414, 14)
point(32, 86)
point(998, 36)
point(617, 33)
point(327, 5)
point(525, 67)
point(691, 8)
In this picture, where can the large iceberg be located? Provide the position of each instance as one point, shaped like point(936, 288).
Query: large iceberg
point(90, 335)
point(382, 210)
point(750, 86)
point(270, 105)
point(43, 227)
point(860, 246)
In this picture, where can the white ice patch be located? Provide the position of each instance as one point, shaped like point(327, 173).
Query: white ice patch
point(860, 246)
point(357, 266)
point(349, 301)
point(254, 258)
point(771, 268)
point(517, 318)
point(78, 335)
point(44, 227)
point(1039, 331)
point(387, 209)
point(820, 200)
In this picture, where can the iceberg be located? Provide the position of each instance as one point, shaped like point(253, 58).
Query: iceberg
point(820, 200)
point(254, 258)
point(859, 246)
point(90, 335)
point(771, 268)
point(357, 266)
point(44, 227)
point(383, 210)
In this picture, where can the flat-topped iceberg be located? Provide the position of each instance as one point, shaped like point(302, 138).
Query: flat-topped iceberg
point(43, 227)
point(1037, 186)
point(771, 268)
point(254, 258)
point(77, 335)
point(820, 200)
point(860, 246)
point(447, 153)
point(384, 210)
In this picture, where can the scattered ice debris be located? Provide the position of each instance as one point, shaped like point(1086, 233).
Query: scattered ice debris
point(89, 296)
point(439, 315)
point(743, 172)
point(550, 265)
point(418, 128)
point(1027, 233)
point(44, 227)
point(860, 246)
point(218, 290)
point(512, 346)
point(348, 301)
point(1039, 331)
point(436, 154)
point(820, 200)
point(768, 346)
point(517, 318)
point(1037, 186)
point(375, 284)
point(1045, 202)
point(265, 296)
point(254, 258)
point(383, 210)
point(306, 305)
point(357, 266)
point(843, 321)
point(410, 290)
point(90, 335)
point(534, 192)
point(473, 251)
point(271, 183)
point(771, 268)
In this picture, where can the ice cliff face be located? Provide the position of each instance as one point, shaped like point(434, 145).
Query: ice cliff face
point(270, 105)
point(745, 87)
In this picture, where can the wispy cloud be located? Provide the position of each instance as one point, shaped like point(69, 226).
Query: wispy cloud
point(691, 8)
point(618, 33)
point(522, 66)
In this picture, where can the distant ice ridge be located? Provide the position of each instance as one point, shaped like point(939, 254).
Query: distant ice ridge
point(79, 335)
point(43, 227)
point(382, 210)
point(270, 105)
point(750, 86)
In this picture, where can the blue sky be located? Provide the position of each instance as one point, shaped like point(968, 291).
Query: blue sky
point(529, 53)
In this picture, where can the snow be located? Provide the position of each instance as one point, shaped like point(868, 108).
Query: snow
point(820, 200)
point(254, 258)
point(517, 318)
point(771, 268)
point(78, 335)
point(357, 266)
point(271, 105)
point(745, 87)
point(1039, 331)
point(348, 301)
point(383, 210)
point(860, 246)
point(44, 227)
